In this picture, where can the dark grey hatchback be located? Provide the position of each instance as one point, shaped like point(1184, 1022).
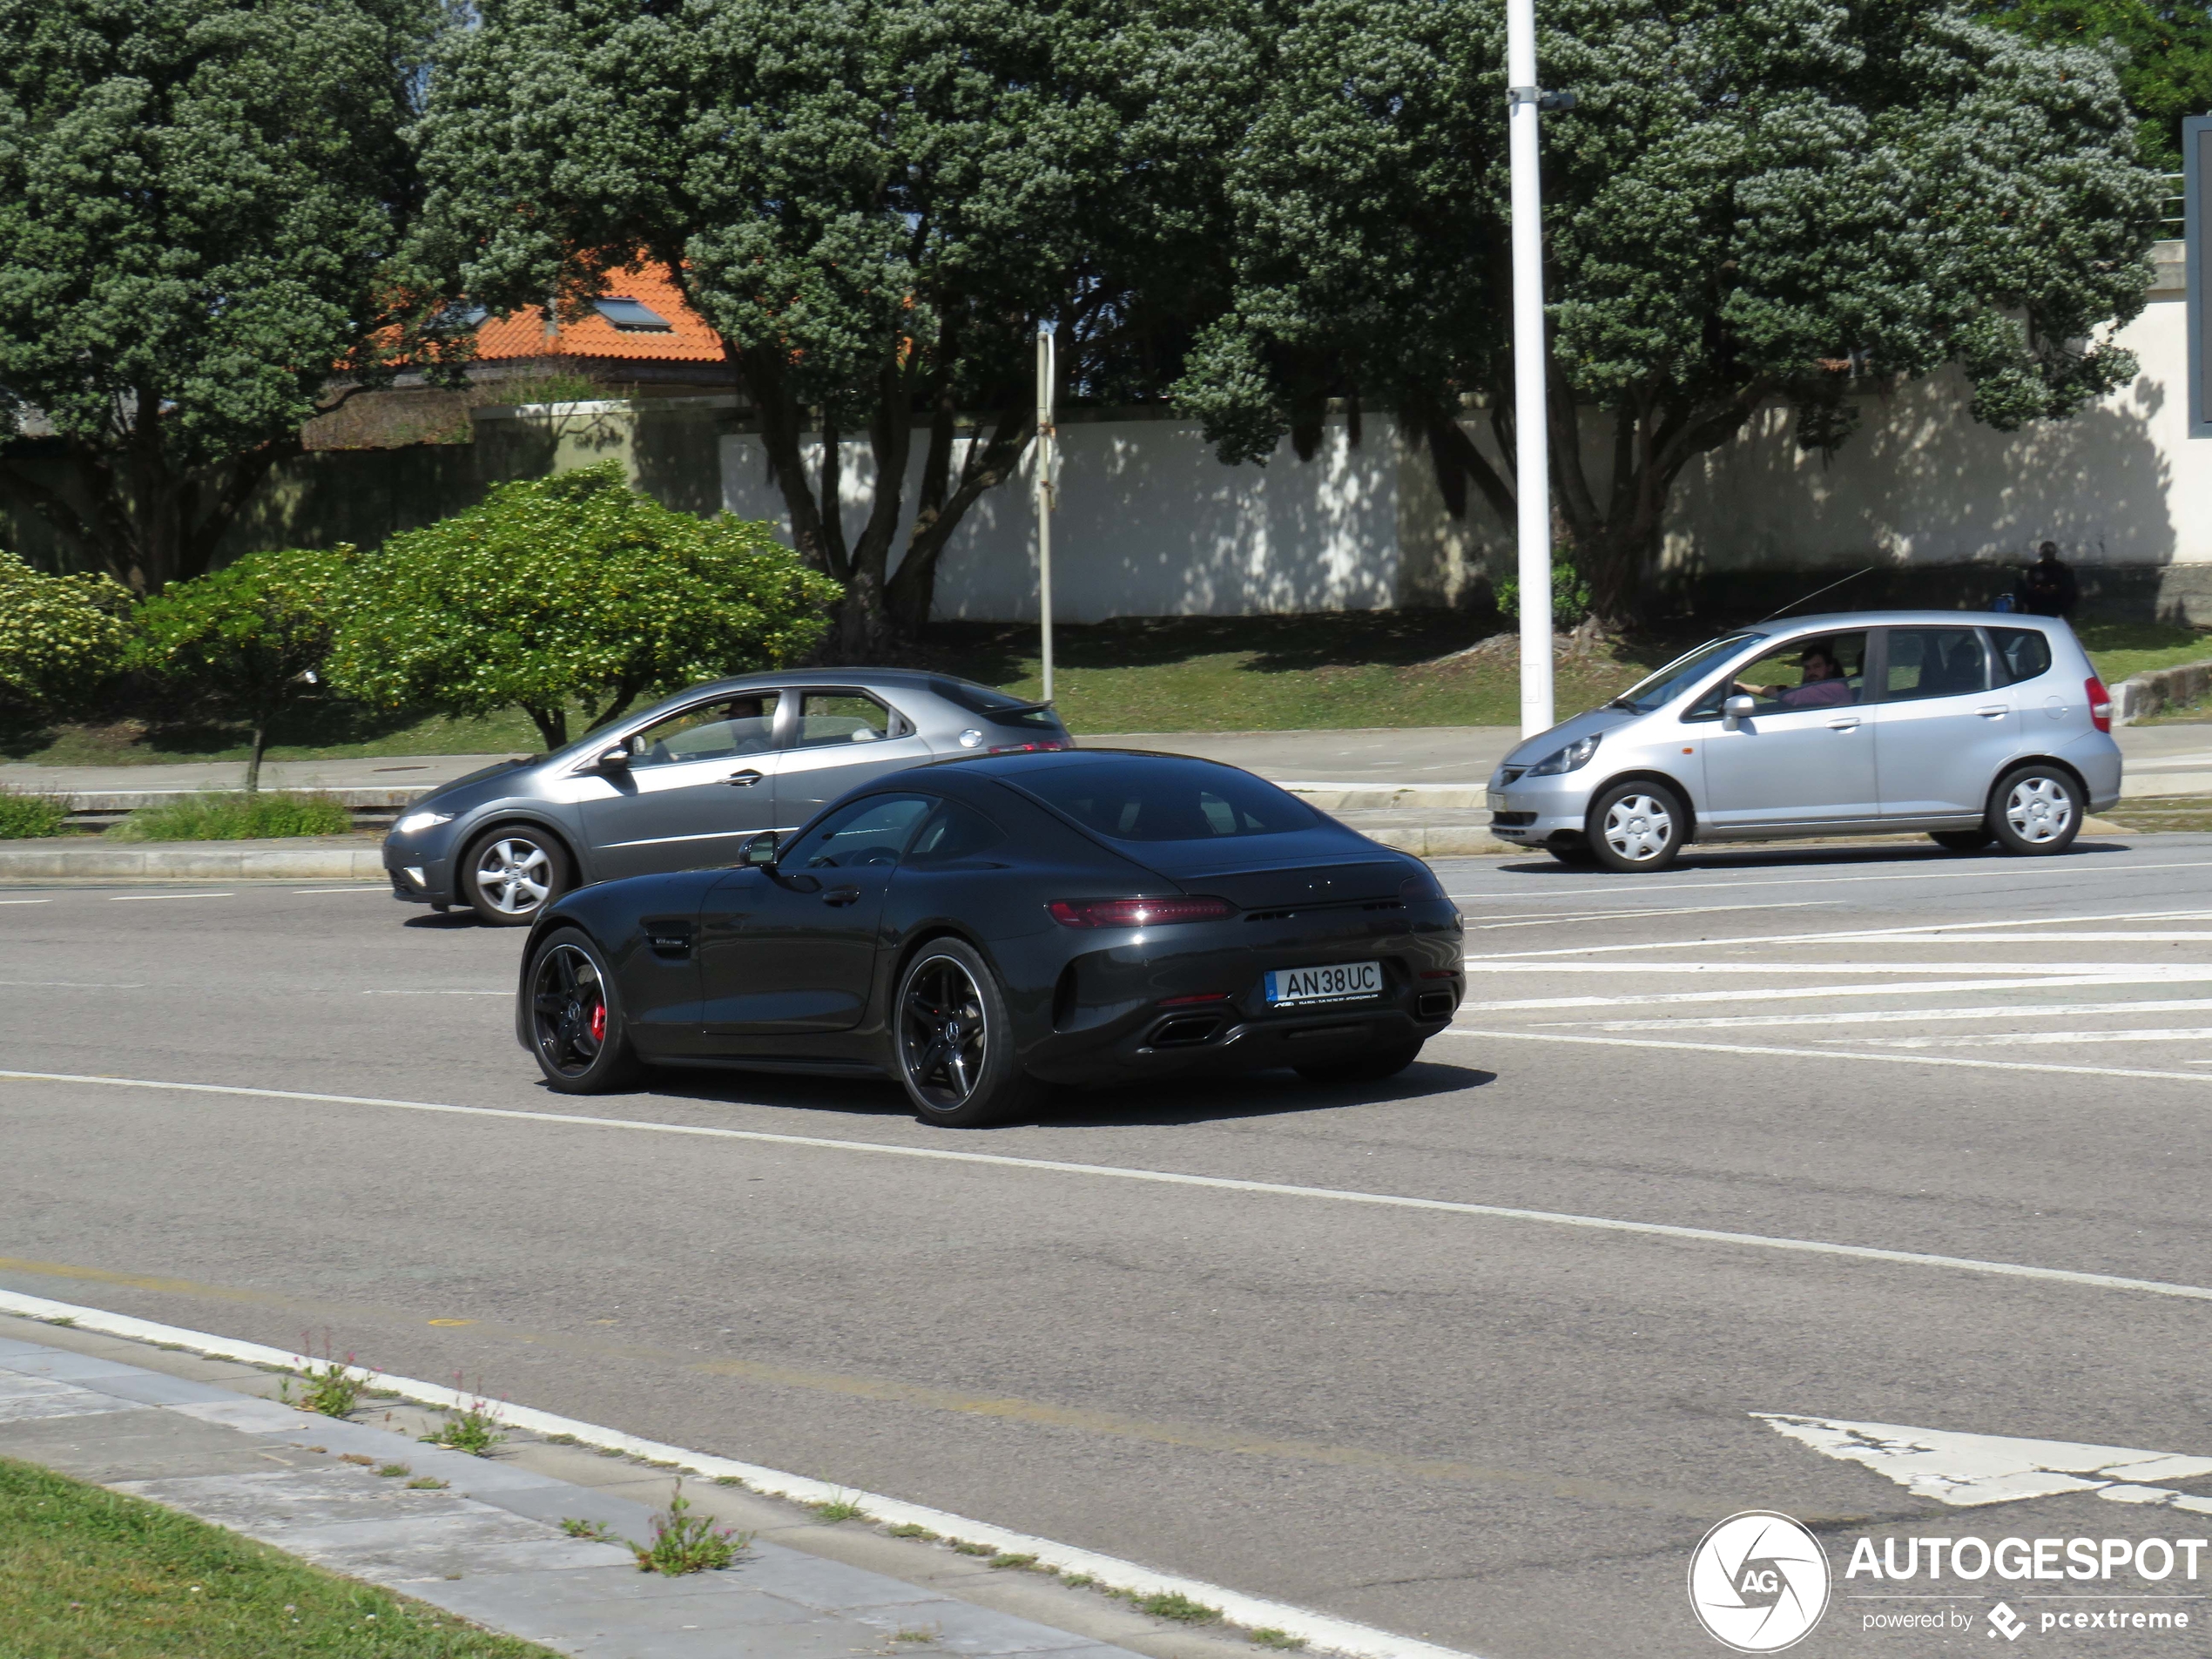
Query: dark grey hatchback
point(682, 785)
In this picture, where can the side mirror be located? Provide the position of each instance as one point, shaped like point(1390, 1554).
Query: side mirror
point(1736, 708)
point(614, 759)
point(758, 851)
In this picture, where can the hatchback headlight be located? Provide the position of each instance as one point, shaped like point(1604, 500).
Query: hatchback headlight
point(1574, 756)
point(414, 822)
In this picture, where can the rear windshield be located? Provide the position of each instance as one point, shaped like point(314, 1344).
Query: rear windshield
point(1000, 708)
point(1168, 800)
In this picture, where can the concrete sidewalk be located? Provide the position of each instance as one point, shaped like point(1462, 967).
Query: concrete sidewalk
point(203, 1436)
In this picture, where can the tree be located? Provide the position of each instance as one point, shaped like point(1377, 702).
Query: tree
point(2161, 49)
point(571, 587)
point(246, 637)
point(201, 205)
point(60, 635)
point(873, 201)
point(1755, 203)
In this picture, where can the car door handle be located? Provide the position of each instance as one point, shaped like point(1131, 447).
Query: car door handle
point(1842, 725)
point(840, 895)
point(1996, 713)
point(744, 780)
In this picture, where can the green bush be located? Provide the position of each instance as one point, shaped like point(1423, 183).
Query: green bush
point(572, 587)
point(244, 639)
point(25, 815)
point(236, 818)
point(60, 635)
point(1570, 597)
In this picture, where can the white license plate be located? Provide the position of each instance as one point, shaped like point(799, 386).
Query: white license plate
point(1338, 983)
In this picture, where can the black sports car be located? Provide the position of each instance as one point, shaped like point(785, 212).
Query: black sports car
point(980, 927)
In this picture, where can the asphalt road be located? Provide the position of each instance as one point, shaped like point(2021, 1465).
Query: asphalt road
point(1502, 1432)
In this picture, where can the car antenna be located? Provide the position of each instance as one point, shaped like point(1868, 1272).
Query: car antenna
point(1815, 594)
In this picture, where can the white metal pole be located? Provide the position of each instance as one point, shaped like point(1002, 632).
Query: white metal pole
point(1046, 437)
point(1532, 486)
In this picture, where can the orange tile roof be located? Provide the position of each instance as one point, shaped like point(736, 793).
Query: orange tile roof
point(689, 339)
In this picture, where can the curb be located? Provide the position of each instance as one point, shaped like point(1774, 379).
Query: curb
point(2145, 694)
point(309, 858)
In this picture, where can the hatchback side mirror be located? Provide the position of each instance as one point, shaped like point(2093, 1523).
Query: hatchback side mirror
point(614, 759)
point(1736, 708)
point(758, 851)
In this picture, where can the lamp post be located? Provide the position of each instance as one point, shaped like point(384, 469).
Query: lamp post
point(1046, 441)
point(1532, 488)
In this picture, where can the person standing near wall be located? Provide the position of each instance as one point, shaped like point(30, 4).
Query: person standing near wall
point(2046, 587)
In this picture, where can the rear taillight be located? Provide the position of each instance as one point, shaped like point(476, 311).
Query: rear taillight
point(2100, 703)
point(1136, 913)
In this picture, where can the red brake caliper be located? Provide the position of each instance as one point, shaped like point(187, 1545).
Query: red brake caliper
point(599, 1024)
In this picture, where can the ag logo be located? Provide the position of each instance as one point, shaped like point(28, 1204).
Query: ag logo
point(1758, 1581)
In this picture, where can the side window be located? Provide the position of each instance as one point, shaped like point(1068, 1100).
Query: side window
point(1826, 671)
point(2022, 653)
point(954, 832)
point(717, 731)
point(838, 717)
point(871, 832)
point(1933, 661)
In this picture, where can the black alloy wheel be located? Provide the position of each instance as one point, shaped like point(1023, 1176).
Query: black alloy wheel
point(955, 1040)
point(576, 1020)
point(512, 873)
point(1370, 1068)
point(1971, 840)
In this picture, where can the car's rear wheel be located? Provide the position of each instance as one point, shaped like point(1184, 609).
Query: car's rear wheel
point(1370, 1068)
point(2035, 810)
point(954, 1039)
point(509, 874)
point(1638, 826)
point(577, 1031)
point(1971, 840)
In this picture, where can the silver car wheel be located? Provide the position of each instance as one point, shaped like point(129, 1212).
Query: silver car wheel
point(514, 875)
point(1638, 827)
point(2040, 809)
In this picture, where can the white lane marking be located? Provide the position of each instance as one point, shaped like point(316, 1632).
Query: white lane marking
point(1320, 1630)
point(26, 902)
point(1968, 1470)
point(1730, 878)
point(75, 984)
point(2025, 971)
point(2064, 938)
point(1859, 935)
point(501, 993)
point(2009, 1039)
point(1751, 993)
point(1825, 1054)
point(1230, 1184)
point(377, 887)
point(140, 898)
point(1898, 1016)
point(1632, 915)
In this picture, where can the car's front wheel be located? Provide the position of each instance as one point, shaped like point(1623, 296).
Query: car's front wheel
point(577, 1031)
point(1637, 824)
point(2035, 809)
point(510, 873)
point(954, 1038)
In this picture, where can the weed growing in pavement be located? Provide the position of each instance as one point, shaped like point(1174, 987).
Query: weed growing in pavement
point(393, 1471)
point(366, 1462)
point(1022, 1563)
point(914, 1530)
point(425, 1483)
point(595, 1530)
point(841, 1508)
point(62, 1319)
point(966, 1549)
point(562, 1439)
point(324, 1384)
point(1174, 1604)
point(1269, 1637)
point(728, 1481)
point(930, 1633)
point(1078, 1581)
point(684, 1543)
point(474, 1429)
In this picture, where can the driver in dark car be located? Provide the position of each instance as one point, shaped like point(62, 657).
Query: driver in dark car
point(1824, 685)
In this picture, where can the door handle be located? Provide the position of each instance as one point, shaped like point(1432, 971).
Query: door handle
point(1998, 712)
point(744, 780)
point(838, 896)
point(1842, 725)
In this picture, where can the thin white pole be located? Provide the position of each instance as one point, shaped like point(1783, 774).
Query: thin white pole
point(1047, 437)
point(1532, 488)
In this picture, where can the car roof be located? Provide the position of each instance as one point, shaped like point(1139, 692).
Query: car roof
point(1840, 621)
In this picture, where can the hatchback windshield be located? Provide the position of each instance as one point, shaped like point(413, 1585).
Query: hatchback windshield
point(1682, 674)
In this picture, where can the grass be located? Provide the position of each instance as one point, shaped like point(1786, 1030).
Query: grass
point(474, 1429)
point(684, 1543)
point(841, 1508)
point(25, 813)
point(88, 1573)
point(575, 1527)
point(237, 817)
point(1269, 1637)
point(1175, 1605)
point(2119, 649)
point(2148, 813)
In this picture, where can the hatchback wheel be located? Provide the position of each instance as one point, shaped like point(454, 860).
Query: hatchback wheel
point(2035, 809)
point(509, 875)
point(955, 1040)
point(575, 1025)
point(1636, 826)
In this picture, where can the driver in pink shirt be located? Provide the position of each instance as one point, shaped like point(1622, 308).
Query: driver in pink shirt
point(1824, 686)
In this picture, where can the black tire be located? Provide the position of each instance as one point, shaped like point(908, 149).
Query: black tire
point(952, 1040)
point(577, 1034)
point(510, 873)
point(1636, 826)
point(1370, 1068)
point(2036, 810)
point(1576, 853)
point(1971, 840)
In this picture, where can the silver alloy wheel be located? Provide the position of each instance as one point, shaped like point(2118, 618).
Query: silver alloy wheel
point(514, 875)
point(1638, 827)
point(2040, 809)
point(944, 1035)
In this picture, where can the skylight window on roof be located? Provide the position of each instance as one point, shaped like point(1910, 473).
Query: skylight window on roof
point(633, 318)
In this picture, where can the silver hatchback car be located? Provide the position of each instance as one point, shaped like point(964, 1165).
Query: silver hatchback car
point(1970, 728)
point(684, 783)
